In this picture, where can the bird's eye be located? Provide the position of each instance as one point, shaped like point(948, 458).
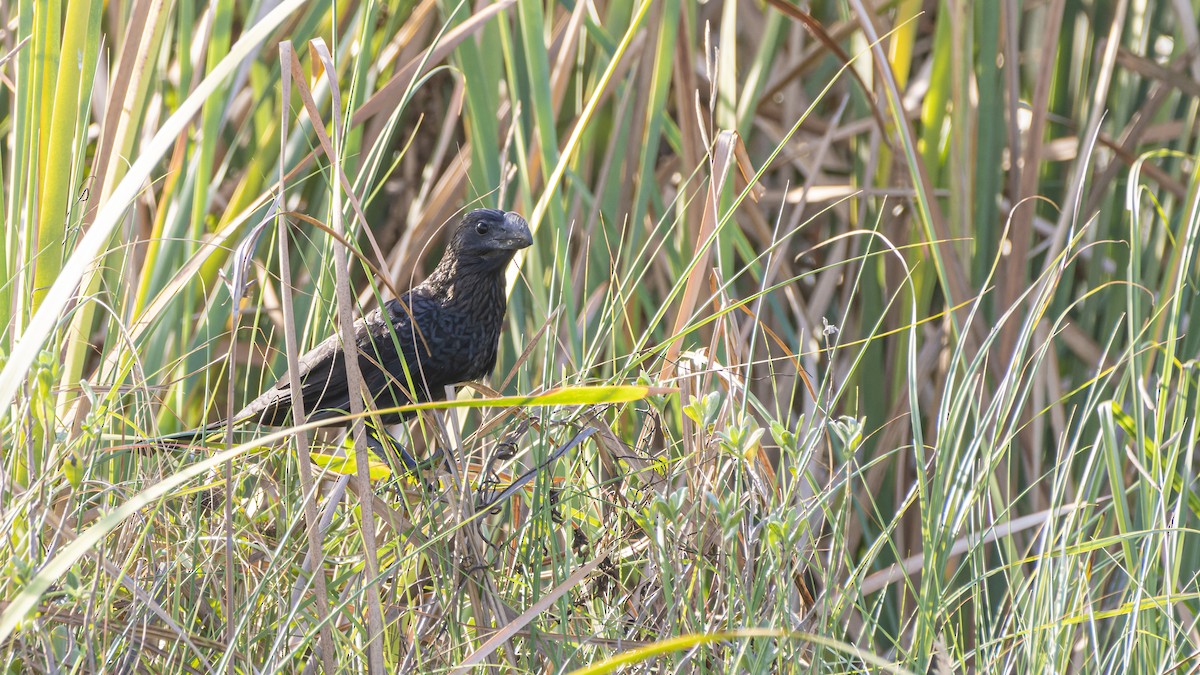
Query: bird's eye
point(481, 228)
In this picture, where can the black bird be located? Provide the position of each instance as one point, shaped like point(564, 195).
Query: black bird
point(442, 332)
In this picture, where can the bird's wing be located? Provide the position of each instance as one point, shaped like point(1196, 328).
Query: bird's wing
point(393, 360)
point(388, 341)
point(382, 350)
point(322, 385)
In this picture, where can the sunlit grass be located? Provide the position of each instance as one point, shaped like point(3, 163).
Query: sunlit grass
point(797, 376)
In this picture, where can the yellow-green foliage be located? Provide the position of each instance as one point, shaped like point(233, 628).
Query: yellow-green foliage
point(856, 336)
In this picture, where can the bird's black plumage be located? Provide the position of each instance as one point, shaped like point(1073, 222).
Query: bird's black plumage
point(442, 332)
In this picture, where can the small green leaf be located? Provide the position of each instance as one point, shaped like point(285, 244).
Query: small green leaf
point(348, 465)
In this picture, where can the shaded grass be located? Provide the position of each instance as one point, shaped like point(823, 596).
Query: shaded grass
point(918, 384)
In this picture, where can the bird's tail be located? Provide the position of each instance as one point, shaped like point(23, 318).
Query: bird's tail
point(183, 437)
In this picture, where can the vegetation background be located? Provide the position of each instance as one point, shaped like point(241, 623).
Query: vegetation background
point(874, 318)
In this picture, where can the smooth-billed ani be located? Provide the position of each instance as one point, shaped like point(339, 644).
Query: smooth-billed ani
point(442, 332)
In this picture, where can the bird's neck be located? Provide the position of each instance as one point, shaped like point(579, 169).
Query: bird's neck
point(467, 279)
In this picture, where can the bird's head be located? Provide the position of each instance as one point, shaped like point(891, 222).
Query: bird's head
point(491, 235)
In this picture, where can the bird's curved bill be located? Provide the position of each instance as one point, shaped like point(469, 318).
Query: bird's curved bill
point(514, 233)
